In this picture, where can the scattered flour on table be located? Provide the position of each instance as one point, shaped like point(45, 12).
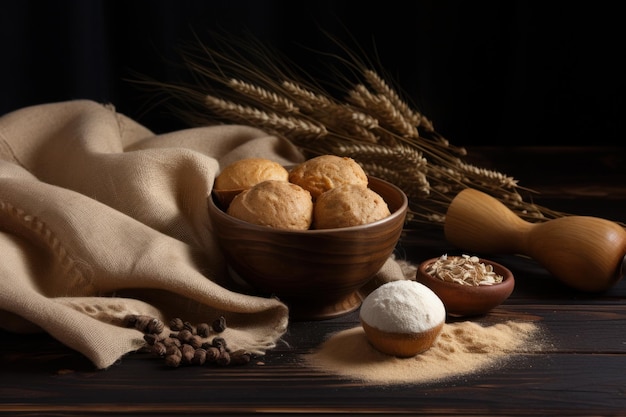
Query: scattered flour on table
point(462, 348)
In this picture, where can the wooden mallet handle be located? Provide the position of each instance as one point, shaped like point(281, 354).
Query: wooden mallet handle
point(586, 253)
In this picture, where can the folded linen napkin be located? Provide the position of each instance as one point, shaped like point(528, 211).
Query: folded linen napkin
point(101, 218)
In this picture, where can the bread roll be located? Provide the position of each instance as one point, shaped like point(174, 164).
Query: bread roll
point(244, 173)
point(277, 204)
point(348, 205)
point(325, 172)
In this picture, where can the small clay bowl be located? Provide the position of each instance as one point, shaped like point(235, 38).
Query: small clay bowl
point(317, 273)
point(401, 345)
point(468, 300)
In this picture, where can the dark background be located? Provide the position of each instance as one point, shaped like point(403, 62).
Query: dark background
point(485, 72)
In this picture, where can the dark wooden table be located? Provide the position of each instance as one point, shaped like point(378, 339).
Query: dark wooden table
point(583, 372)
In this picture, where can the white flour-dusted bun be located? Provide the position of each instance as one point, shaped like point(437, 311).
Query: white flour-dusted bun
point(402, 318)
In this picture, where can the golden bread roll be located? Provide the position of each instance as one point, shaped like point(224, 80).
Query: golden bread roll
point(348, 205)
point(278, 204)
point(325, 172)
point(244, 173)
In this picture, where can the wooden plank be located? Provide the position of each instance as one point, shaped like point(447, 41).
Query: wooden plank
point(581, 369)
point(578, 372)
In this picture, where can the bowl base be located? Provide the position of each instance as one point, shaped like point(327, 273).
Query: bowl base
point(303, 311)
point(306, 309)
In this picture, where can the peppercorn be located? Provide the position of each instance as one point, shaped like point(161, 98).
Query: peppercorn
point(150, 338)
point(159, 349)
point(172, 361)
point(189, 326)
point(212, 353)
point(219, 324)
point(176, 324)
point(173, 356)
point(223, 359)
point(203, 330)
point(184, 335)
point(145, 324)
point(172, 350)
point(172, 341)
point(239, 357)
point(195, 341)
point(199, 357)
point(154, 326)
point(187, 352)
point(219, 343)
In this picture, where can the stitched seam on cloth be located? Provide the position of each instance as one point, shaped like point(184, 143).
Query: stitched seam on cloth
point(5, 149)
point(69, 265)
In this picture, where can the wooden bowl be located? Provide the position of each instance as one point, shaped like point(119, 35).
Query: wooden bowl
point(315, 272)
point(468, 300)
point(225, 197)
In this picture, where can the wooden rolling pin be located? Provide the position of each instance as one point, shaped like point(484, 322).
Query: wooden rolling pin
point(586, 253)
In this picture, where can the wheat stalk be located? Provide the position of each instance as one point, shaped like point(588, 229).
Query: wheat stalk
point(287, 126)
point(370, 123)
point(280, 103)
point(380, 86)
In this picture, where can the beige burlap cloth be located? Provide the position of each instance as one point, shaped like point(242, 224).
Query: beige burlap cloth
point(101, 218)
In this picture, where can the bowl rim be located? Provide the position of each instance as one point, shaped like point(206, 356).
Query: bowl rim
point(399, 212)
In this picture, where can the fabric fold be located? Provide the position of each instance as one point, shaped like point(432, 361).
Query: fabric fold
point(101, 218)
